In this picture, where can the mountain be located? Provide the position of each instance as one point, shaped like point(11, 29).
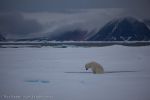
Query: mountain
point(1, 38)
point(147, 22)
point(122, 29)
point(74, 35)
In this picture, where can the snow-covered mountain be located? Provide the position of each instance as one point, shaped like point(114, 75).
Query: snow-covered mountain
point(122, 29)
point(147, 22)
point(2, 38)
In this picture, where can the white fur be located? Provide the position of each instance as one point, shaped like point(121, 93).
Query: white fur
point(96, 67)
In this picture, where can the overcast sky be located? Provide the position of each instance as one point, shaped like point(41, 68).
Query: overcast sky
point(61, 5)
point(36, 17)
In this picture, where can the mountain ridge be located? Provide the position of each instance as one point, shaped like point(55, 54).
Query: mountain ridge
point(2, 38)
point(123, 29)
point(119, 29)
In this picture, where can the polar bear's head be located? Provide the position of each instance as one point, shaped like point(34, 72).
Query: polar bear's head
point(87, 66)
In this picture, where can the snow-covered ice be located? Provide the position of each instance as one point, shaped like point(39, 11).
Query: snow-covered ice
point(59, 74)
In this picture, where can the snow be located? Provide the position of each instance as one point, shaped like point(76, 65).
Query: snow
point(59, 74)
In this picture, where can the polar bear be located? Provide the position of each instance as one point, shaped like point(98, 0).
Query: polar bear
point(96, 67)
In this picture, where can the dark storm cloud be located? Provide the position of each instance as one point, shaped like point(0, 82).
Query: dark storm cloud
point(62, 5)
point(15, 23)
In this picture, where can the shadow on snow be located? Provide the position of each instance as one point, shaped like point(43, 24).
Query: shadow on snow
point(105, 72)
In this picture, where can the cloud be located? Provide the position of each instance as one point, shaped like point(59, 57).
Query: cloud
point(63, 5)
point(16, 24)
point(86, 19)
point(39, 24)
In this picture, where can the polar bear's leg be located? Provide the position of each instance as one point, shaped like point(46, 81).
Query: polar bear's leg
point(98, 70)
point(94, 70)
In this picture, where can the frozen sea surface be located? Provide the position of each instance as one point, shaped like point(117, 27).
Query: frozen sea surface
point(59, 73)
